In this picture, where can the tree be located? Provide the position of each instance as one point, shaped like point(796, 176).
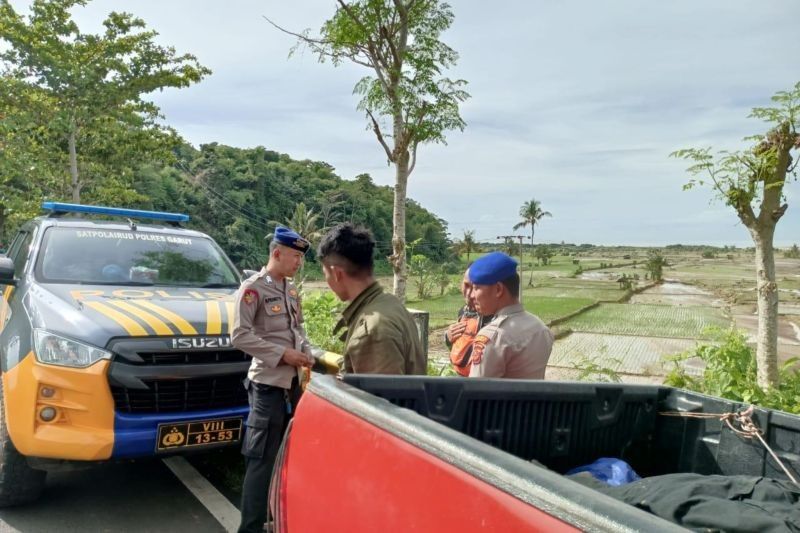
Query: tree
point(468, 245)
point(792, 253)
point(509, 246)
point(655, 265)
point(406, 99)
point(442, 279)
point(306, 223)
point(23, 153)
point(330, 202)
point(752, 182)
point(94, 84)
point(543, 253)
point(424, 273)
point(531, 213)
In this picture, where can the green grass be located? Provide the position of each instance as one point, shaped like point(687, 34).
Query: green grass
point(444, 310)
point(686, 322)
point(595, 294)
point(548, 308)
point(578, 283)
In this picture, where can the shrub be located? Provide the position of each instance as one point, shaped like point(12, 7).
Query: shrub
point(730, 373)
point(321, 313)
point(423, 272)
point(597, 369)
point(440, 368)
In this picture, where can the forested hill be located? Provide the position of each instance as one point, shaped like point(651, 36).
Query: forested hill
point(237, 196)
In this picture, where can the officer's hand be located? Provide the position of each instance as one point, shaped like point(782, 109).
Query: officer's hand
point(295, 358)
point(455, 330)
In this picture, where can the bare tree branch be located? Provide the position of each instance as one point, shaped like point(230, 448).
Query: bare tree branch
point(778, 213)
point(377, 129)
point(299, 36)
point(413, 158)
point(319, 45)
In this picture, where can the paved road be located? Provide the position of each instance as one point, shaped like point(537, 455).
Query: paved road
point(141, 496)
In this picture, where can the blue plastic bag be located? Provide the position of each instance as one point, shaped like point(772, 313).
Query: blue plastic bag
point(614, 472)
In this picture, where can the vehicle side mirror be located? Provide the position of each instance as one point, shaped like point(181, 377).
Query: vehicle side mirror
point(249, 273)
point(7, 271)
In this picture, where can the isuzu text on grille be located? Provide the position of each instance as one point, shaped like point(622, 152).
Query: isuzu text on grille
point(188, 343)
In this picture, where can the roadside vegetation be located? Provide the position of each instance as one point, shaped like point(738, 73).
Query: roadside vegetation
point(731, 372)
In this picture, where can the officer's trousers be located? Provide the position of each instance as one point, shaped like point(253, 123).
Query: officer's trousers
point(269, 415)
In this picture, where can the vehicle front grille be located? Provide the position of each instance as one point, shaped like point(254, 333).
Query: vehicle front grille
point(200, 358)
point(181, 395)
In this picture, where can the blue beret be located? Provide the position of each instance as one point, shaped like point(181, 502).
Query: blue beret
point(290, 238)
point(492, 268)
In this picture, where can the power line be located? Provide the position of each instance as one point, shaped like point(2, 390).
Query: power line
point(207, 187)
point(233, 210)
point(227, 205)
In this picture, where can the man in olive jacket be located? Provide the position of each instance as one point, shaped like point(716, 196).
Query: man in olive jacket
point(381, 336)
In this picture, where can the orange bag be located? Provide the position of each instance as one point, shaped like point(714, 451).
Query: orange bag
point(461, 352)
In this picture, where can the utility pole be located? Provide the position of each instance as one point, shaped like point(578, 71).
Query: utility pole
point(510, 237)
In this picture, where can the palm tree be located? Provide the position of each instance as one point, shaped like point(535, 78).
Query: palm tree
point(531, 213)
point(468, 244)
point(305, 222)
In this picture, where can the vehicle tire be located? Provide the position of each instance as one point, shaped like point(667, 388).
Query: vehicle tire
point(19, 483)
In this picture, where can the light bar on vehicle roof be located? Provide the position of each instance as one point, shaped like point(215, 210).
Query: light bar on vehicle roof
point(58, 207)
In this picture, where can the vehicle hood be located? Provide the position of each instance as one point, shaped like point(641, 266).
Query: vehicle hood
point(99, 313)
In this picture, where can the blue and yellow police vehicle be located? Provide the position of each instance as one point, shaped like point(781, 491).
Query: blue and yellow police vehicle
point(114, 343)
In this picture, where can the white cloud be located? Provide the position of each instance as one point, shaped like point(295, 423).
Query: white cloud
point(575, 103)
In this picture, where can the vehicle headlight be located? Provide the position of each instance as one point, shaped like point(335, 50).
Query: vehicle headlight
point(54, 349)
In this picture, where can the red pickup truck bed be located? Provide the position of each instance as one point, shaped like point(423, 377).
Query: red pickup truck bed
point(379, 453)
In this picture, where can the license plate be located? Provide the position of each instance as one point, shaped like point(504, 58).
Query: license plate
point(198, 433)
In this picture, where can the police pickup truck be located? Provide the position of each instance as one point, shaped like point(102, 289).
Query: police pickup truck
point(114, 343)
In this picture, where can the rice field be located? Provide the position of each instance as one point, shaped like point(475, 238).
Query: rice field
point(596, 294)
point(548, 308)
point(444, 310)
point(620, 353)
point(649, 320)
point(633, 338)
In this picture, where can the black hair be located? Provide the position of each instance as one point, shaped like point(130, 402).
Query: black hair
point(350, 247)
point(512, 284)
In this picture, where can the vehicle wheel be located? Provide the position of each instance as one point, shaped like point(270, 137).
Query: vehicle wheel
point(19, 483)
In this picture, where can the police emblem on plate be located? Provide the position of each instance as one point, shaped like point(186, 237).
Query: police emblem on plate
point(174, 438)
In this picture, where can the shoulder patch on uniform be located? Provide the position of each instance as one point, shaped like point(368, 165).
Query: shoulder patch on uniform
point(249, 296)
point(477, 349)
point(483, 339)
point(293, 293)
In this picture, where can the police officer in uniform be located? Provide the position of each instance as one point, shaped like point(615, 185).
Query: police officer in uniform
point(268, 325)
point(515, 344)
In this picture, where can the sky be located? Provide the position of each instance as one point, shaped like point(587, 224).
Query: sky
point(577, 104)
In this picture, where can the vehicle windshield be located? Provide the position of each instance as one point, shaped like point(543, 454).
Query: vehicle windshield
point(125, 257)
